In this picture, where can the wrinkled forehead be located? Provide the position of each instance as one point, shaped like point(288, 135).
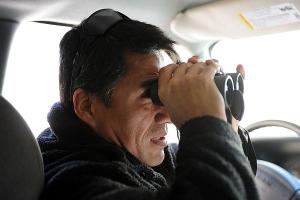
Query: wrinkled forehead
point(138, 63)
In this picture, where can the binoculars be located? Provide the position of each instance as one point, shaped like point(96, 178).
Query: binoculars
point(230, 85)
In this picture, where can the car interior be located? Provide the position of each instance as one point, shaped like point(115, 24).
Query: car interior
point(257, 33)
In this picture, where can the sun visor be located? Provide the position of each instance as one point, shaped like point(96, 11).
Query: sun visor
point(236, 19)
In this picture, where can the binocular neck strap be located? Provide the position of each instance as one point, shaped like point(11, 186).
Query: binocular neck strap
point(248, 148)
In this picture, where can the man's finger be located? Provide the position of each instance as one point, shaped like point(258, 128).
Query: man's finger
point(240, 68)
point(211, 69)
point(193, 59)
point(214, 64)
point(196, 68)
point(166, 73)
point(182, 69)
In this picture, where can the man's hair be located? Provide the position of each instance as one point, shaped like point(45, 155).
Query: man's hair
point(103, 58)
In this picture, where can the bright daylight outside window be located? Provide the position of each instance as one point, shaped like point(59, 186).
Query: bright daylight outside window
point(272, 81)
point(31, 79)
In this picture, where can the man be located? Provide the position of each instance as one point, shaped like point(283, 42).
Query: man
point(107, 138)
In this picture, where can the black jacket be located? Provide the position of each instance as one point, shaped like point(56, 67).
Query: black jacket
point(210, 164)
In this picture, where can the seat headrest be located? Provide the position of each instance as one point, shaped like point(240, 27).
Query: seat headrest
point(21, 164)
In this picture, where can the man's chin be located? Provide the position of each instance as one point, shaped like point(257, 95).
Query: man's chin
point(156, 160)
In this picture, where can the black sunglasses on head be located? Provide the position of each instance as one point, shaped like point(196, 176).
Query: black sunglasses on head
point(96, 25)
point(101, 21)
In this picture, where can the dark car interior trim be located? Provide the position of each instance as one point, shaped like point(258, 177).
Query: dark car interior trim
point(7, 29)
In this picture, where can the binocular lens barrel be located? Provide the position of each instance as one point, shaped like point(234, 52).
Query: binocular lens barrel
point(238, 81)
point(226, 88)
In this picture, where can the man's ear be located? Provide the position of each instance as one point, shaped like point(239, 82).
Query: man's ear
point(82, 101)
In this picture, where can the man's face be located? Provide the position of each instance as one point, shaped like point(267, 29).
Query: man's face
point(133, 121)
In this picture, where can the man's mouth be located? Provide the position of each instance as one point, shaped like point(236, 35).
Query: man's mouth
point(161, 141)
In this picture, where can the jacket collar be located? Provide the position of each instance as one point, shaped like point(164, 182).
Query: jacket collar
point(69, 128)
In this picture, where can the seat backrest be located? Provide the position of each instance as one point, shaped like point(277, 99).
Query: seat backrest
point(21, 164)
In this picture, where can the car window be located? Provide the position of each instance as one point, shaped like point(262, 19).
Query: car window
point(272, 81)
point(31, 78)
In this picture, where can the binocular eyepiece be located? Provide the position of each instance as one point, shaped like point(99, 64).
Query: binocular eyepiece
point(230, 85)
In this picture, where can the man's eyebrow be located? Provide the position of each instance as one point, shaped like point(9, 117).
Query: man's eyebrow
point(148, 82)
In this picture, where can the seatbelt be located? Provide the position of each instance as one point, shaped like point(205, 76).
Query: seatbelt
point(248, 148)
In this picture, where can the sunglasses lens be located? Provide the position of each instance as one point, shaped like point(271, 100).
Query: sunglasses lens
point(99, 22)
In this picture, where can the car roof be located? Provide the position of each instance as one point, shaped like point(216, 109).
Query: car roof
point(194, 23)
point(70, 12)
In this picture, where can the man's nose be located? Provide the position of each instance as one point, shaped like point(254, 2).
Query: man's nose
point(162, 115)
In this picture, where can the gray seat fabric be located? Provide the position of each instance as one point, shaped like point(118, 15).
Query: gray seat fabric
point(21, 165)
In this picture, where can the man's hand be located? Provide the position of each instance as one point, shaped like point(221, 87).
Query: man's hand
point(192, 110)
point(240, 68)
point(188, 90)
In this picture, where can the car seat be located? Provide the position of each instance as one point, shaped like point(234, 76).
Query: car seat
point(21, 164)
